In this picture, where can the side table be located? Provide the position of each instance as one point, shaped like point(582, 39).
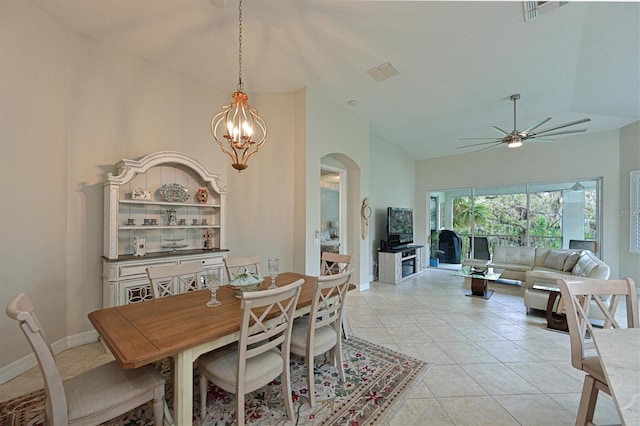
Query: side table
point(556, 320)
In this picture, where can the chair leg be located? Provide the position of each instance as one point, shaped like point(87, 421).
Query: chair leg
point(588, 401)
point(338, 357)
point(240, 408)
point(345, 323)
point(203, 396)
point(310, 379)
point(158, 406)
point(286, 388)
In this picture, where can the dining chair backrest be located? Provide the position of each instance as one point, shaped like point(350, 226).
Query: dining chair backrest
point(480, 248)
point(329, 301)
point(267, 318)
point(169, 280)
point(21, 310)
point(334, 263)
point(240, 265)
point(582, 295)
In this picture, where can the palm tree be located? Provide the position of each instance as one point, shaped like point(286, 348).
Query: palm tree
point(464, 211)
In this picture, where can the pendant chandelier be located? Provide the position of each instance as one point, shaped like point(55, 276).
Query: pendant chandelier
point(238, 128)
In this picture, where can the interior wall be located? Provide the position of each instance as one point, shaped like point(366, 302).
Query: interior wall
point(629, 161)
point(331, 129)
point(392, 185)
point(583, 156)
point(260, 204)
point(33, 132)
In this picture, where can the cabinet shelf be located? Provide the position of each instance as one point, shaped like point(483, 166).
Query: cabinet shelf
point(143, 227)
point(166, 203)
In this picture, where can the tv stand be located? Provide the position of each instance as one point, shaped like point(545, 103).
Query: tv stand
point(396, 264)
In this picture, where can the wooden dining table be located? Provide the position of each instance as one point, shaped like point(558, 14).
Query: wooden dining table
point(619, 351)
point(181, 327)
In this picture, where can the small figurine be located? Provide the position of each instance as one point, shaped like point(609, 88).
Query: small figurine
point(172, 219)
point(139, 246)
point(208, 241)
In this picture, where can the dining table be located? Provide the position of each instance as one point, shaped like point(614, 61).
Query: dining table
point(619, 351)
point(182, 327)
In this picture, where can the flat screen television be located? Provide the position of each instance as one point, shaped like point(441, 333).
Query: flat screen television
point(399, 226)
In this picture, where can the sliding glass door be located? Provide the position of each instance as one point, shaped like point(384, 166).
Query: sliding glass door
point(529, 215)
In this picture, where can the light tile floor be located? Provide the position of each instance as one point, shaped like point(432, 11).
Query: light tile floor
point(492, 364)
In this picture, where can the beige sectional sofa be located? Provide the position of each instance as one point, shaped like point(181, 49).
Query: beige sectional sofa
point(545, 266)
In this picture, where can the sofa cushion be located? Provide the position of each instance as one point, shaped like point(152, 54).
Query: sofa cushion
point(555, 259)
point(524, 256)
point(587, 266)
point(571, 261)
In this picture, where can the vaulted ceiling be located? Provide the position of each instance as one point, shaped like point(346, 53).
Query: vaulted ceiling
point(457, 62)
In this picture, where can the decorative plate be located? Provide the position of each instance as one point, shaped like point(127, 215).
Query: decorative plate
point(174, 192)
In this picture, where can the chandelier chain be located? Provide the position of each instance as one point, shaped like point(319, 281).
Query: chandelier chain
point(240, 45)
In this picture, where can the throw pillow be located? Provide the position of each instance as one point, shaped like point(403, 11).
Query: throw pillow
point(555, 259)
point(584, 266)
point(571, 261)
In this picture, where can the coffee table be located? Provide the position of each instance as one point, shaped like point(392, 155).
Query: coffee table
point(478, 281)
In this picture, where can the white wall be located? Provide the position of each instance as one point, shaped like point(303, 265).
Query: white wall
point(629, 161)
point(392, 185)
point(330, 129)
point(584, 156)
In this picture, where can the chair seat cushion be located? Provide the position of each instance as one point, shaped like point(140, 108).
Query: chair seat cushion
point(593, 367)
point(325, 338)
point(108, 386)
point(221, 366)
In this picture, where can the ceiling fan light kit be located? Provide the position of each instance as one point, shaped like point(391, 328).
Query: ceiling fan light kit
point(516, 138)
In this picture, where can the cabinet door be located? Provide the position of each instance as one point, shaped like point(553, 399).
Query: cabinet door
point(134, 291)
point(398, 268)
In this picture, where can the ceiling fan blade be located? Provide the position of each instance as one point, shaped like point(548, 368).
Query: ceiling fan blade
point(564, 132)
point(536, 124)
point(470, 139)
point(496, 141)
point(539, 140)
point(490, 146)
point(499, 130)
point(573, 123)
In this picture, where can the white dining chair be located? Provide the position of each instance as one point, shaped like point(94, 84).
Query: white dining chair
point(335, 263)
point(240, 265)
point(319, 332)
point(95, 396)
point(579, 297)
point(262, 352)
point(168, 280)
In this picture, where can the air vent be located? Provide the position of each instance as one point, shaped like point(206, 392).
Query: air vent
point(383, 71)
point(534, 8)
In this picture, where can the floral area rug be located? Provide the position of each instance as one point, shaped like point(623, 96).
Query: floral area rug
point(378, 381)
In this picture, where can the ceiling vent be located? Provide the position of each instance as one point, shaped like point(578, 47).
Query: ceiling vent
point(383, 71)
point(534, 8)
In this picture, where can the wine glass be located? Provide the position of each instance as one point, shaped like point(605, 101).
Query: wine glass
point(213, 284)
point(273, 267)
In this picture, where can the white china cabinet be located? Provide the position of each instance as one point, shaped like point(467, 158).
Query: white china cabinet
point(172, 208)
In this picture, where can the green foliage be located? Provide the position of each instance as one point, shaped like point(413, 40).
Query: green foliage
point(506, 218)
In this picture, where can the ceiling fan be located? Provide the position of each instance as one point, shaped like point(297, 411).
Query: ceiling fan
point(515, 138)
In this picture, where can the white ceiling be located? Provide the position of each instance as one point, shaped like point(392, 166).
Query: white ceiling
point(458, 62)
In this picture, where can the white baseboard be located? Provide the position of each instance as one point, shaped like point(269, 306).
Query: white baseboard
point(27, 362)
point(364, 286)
